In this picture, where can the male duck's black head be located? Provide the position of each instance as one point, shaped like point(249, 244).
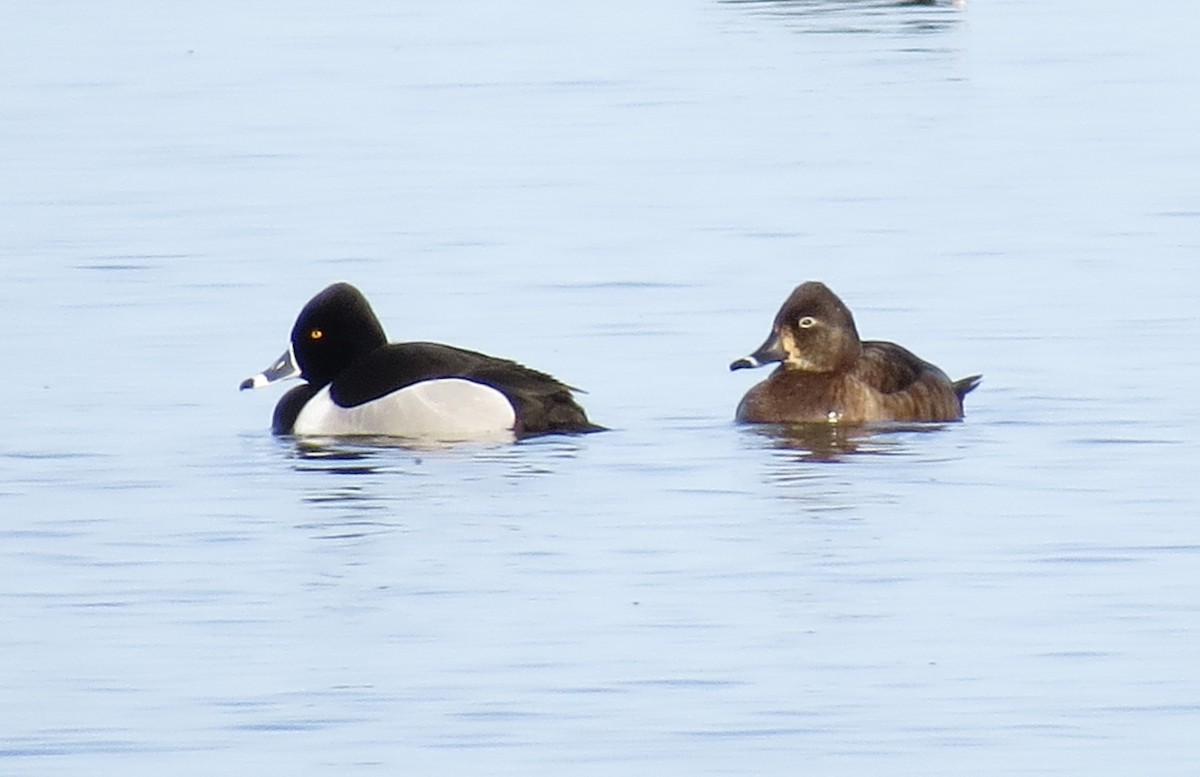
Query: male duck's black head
point(334, 329)
point(813, 332)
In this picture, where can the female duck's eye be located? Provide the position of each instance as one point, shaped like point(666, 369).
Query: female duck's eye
point(806, 322)
point(315, 334)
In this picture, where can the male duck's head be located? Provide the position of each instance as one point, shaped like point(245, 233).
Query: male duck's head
point(336, 327)
point(813, 332)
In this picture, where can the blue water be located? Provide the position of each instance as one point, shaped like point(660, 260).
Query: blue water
point(621, 194)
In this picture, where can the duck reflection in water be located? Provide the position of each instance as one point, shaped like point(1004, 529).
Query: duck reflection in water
point(399, 456)
point(837, 442)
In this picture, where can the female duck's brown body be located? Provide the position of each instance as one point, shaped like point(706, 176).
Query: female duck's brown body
point(827, 375)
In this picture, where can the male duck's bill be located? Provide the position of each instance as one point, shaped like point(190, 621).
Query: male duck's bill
point(283, 368)
point(359, 384)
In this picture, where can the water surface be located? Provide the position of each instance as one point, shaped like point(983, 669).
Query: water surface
point(621, 195)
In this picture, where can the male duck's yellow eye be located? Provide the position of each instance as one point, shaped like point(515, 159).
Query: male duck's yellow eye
point(316, 334)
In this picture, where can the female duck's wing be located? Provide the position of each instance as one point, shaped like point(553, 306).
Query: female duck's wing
point(890, 369)
point(911, 388)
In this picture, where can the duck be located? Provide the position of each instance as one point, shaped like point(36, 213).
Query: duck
point(826, 374)
point(356, 383)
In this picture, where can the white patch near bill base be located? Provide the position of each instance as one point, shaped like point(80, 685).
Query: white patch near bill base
point(259, 381)
point(447, 410)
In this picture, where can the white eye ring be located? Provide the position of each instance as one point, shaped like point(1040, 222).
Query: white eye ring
point(806, 322)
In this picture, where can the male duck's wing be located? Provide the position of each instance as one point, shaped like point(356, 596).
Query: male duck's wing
point(395, 366)
point(542, 403)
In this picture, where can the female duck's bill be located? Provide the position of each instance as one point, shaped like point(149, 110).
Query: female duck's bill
point(826, 374)
point(356, 383)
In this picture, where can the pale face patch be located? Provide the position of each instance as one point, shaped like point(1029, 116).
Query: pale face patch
point(795, 356)
point(445, 410)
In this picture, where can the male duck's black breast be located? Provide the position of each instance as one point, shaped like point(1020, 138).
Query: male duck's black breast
point(287, 410)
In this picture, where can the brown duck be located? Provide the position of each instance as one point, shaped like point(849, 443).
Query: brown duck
point(827, 375)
